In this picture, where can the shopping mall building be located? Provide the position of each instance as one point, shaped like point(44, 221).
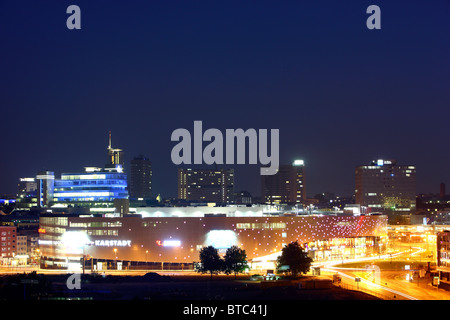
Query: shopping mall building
point(162, 239)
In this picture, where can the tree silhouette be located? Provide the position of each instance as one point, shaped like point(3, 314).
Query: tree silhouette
point(235, 260)
point(293, 259)
point(210, 260)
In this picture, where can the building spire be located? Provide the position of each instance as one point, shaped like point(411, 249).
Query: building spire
point(109, 147)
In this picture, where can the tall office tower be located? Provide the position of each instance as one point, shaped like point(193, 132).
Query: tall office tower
point(206, 185)
point(45, 187)
point(115, 156)
point(384, 186)
point(140, 184)
point(287, 186)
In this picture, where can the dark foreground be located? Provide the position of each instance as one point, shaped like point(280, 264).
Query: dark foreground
point(153, 286)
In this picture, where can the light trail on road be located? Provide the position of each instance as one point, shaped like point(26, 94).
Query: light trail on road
point(368, 283)
point(335, 262)
point(330, 267)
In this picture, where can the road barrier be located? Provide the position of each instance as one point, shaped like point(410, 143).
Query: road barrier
point(365, 290)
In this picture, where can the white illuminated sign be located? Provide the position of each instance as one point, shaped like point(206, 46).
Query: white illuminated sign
point(48, 242)
point(70, 241)
point(112, 243)
point(93, 177)
point(221, 239)
point(171, 243)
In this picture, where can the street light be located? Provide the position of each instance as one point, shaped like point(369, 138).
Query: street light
point(115, 257)
point(38, 259)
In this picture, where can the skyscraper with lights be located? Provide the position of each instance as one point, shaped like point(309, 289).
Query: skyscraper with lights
point(140, 183)
point(387, 187)
point(45, 185)
point(206, 185)
point(287, 186)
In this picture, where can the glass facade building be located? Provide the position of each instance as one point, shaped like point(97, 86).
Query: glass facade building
point(94, 187)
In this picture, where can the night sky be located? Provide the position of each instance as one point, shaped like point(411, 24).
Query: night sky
point(340, 94)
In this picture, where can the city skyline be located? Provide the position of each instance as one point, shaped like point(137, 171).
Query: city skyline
point(215, 167)
point(340, 94)
point(253, 153)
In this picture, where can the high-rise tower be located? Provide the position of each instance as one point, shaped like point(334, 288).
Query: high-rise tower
point(385, 186)
point(206, 185)
point(45, 188)
point(115, 156)
point(287, 186)
point(140, 183)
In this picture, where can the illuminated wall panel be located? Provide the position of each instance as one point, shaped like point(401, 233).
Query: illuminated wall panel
point(180, 239)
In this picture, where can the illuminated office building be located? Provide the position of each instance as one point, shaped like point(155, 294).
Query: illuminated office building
point(95, 188)
point(443, 248)
point(98, 189)
point(26, 193)
point(26, 186)
point(140, 183)
point(287, 186)
point(45, 186)
point(385, 186)
point(205, 185)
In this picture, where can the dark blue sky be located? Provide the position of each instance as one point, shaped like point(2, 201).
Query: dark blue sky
point(340, 94)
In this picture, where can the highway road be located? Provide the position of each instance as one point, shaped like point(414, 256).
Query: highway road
point(387, 284)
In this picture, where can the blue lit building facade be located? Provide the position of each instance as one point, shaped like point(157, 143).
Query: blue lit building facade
point(94, 188)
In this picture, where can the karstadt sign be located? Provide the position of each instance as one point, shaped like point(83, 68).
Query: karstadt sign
point(112, 243)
